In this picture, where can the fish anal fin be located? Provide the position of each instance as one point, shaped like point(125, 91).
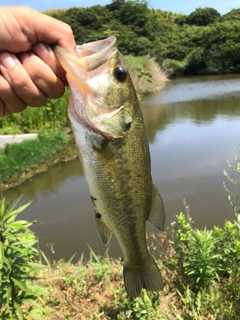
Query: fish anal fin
point(157, 213)
point(104, 233)
point(144, 276)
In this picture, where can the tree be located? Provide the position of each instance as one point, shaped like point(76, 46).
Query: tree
point(231, 15)
point(133, 13)
point(115, 5)
point(203, 16)
point(181, 19)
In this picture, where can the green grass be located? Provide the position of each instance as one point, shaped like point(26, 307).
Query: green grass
point(18, 158)
point(53, 115)
point(19, 266)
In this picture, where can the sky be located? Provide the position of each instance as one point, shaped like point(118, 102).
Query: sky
point(176, 6)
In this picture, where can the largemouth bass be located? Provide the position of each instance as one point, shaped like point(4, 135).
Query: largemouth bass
point(109, 131)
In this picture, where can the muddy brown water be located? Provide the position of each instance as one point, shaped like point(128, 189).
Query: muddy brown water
point(193, 126)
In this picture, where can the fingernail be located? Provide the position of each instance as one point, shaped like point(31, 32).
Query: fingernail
point(7, 60)
point(41, 50)
point(23, 56)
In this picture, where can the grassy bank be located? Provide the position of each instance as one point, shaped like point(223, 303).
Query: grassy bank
point(17, 159)
point(200, 270)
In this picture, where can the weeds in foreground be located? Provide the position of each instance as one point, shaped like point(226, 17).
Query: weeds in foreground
point(233, 196)
point(200, 268)
point(18, 266)
point(206, 268)
point(144, 307)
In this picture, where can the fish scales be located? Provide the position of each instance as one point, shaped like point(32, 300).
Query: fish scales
point(110, 134)
point(130, 192)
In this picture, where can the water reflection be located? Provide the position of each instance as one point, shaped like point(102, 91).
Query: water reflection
point(193, 127)
point(199, 88)
point(162, 110)
point(47, 183)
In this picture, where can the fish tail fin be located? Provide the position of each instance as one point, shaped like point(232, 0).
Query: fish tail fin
point(145, 276)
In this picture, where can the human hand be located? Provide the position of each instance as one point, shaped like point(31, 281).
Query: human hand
point(29, 70)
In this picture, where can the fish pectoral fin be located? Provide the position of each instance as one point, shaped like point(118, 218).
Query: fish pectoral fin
point(97, 142)
point(104, 233)
point(157, 213)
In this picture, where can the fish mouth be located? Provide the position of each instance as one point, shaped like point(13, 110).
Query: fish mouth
point(80, 67)
point(98, 52)
point(89, 56)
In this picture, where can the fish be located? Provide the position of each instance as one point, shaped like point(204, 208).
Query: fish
point(110, 135)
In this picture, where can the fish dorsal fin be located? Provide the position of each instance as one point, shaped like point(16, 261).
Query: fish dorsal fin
point(104, 233)
point(157, 213)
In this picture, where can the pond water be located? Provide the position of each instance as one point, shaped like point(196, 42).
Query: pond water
point(193, 126)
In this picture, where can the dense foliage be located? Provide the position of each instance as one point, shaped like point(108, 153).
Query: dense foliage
point(18, 265)
point(53, 115)
point(203, 42)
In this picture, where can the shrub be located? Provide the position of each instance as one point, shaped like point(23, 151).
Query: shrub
point(18, 265)
point(146, 74)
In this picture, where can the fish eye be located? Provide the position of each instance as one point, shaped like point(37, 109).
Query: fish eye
point(120, 73)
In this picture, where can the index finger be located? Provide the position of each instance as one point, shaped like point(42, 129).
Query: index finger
point(51, 31)
point(33, 26)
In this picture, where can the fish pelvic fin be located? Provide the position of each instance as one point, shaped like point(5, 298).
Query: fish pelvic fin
point(146, 276)
point(157, 214)
point(104, 233)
